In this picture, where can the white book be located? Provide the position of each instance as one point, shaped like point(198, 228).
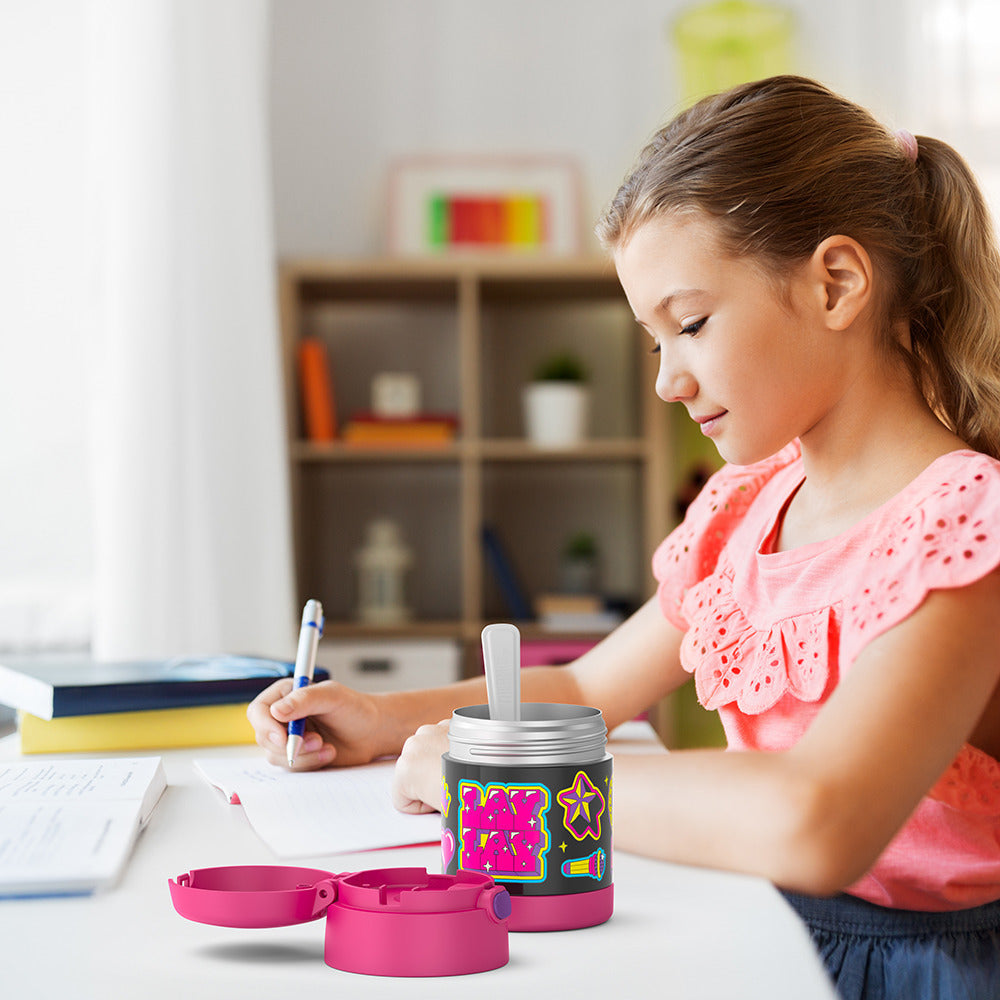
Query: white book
point(68, 826)
point(580, 621)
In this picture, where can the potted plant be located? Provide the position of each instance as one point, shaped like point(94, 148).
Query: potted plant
point(578, 565)
point(557, 402)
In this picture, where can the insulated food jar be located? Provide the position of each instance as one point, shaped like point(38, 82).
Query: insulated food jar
point(528, 803)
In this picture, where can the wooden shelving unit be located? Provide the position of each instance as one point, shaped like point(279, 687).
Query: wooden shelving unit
point(472, 329)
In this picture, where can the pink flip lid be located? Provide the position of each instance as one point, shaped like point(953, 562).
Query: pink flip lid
point(252, 895)
point(387, 921)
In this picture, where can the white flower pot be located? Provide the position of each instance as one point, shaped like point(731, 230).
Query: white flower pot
point(556, 413)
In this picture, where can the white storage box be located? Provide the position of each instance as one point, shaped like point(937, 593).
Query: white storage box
point(390, 665)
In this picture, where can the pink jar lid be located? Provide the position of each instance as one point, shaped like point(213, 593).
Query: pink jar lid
point(386, 921)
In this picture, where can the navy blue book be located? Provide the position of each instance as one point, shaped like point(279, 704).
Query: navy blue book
point(51, 686)
point(503, 571)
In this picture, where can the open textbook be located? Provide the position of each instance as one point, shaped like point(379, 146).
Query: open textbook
point(69, 826)
point(336, 811)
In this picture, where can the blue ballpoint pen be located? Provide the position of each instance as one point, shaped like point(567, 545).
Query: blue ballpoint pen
point(305, 662)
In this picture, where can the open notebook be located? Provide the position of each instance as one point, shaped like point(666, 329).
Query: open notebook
point(336, 811)
point(68, 826)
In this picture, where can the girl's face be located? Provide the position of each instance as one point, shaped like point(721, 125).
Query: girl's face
point(753, 370)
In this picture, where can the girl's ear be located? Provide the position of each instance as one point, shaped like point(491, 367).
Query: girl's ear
point(841, 271)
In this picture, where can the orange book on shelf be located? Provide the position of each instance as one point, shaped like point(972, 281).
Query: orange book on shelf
point(399, 432)
point(316, 389)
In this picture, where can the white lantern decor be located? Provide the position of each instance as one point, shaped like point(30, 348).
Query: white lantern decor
point(382, 564)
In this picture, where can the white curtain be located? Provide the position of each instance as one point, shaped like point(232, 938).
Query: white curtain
point(45, 509)
point(191, 538)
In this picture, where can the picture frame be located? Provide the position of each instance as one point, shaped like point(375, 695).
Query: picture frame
point(461, 204)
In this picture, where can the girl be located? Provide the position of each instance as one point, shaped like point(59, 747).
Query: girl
point(824, 298)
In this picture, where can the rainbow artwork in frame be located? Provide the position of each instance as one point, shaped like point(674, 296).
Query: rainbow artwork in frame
point(483, 204)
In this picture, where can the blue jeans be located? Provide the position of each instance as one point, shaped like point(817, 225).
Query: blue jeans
point(875, 953)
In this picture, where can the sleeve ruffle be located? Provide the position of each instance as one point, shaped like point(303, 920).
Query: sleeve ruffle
point(950, 539)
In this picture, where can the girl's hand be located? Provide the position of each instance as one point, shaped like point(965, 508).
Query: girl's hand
point(343, 726)
point(416, 782)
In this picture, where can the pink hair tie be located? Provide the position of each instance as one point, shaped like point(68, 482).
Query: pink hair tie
point(908, 143)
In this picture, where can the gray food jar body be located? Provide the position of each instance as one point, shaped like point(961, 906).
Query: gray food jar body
point(529, 804)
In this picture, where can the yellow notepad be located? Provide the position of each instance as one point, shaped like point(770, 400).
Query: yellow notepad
point(197, 726)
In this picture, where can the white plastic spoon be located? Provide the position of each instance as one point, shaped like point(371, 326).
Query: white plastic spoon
point(502, 658)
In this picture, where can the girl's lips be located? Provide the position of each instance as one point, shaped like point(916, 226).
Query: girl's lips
point(709, 424)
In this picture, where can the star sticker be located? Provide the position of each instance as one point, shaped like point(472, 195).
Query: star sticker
point(582, 801)
point(562, 847)
point(577, 798)
point(445, 798)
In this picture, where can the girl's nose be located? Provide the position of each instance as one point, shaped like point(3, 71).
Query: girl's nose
point(674, 384)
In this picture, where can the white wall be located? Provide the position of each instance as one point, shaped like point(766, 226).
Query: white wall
point(358, 83)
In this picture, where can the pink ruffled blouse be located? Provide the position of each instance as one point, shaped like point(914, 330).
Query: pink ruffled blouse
point(768, 635)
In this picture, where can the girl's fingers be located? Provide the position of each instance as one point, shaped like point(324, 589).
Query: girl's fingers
point(316, 699)
point(346, 719)
point(259, 710)
point(311, 754)
point(303, 761)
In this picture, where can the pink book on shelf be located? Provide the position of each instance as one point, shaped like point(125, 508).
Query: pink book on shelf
point(551, 652)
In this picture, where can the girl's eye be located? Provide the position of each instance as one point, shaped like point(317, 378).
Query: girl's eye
point(655, 349)
point(692, 328)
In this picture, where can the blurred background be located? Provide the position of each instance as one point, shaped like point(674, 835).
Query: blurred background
point(161, 157)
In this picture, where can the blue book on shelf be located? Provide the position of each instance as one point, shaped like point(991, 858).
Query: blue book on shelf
point(51, 686)
point(503, 571)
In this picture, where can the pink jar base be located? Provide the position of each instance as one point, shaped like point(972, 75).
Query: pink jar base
point(400, 944)
point(561, 913)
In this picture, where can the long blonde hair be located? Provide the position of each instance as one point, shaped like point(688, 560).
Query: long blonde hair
point(783, 163)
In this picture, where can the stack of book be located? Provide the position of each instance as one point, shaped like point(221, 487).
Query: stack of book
point(73, 704)
point(420, 431)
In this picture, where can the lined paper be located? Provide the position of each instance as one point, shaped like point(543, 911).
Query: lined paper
point(335, 811)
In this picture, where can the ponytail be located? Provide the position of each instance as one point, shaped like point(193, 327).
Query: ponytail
point(954, 306)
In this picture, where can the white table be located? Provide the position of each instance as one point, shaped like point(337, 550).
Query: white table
point(677, 932)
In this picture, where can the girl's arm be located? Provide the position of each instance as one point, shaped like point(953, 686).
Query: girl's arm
point(629, 670)
point(625, 673)
point(816, 817)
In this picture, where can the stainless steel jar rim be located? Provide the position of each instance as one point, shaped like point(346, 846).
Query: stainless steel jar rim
point(546, 733)
point(533, 713)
